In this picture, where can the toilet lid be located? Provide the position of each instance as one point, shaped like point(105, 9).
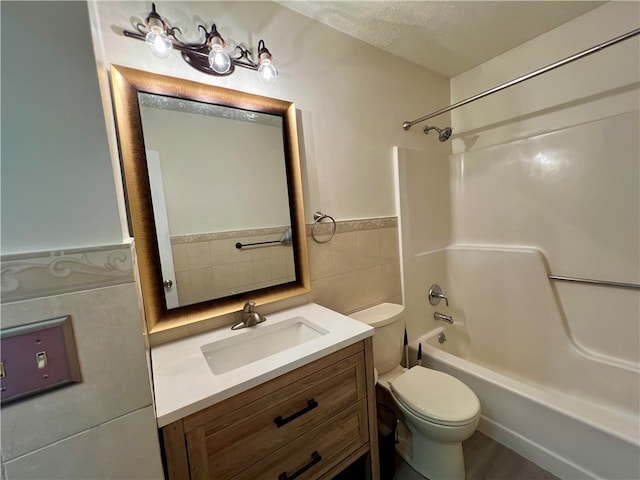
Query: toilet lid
point(436, 396)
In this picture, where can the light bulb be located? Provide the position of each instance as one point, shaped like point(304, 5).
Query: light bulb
point(219, 60)
point(159, 43)
point(267, 72)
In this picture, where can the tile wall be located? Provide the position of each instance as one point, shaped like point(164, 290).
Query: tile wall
point(210, 266)
point(103, 427)
point(359, 267)
point(109, 416)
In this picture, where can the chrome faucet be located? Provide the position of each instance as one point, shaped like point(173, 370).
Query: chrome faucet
point(249, 317)
point(435, 295)
point(443, 317)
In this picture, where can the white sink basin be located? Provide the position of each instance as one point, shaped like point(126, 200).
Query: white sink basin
point(196, 372)
point(258, 342)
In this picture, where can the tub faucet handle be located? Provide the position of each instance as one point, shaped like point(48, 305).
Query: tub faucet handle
point(435, 295)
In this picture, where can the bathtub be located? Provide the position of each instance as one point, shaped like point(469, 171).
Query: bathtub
point(573, 436)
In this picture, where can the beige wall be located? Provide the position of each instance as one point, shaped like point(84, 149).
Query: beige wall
point(351, 100)
point(351, 97)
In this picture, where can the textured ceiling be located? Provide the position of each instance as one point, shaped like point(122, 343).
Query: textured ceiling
point(448, 37)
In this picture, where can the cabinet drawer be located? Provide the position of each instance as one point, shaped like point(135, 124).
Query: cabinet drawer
point(252, 431)
point(316, 452)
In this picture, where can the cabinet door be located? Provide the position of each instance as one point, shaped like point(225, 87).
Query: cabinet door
point(318, 451)
point(252, 431)
point(327, 420)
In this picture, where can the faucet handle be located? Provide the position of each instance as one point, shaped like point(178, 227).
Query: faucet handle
point(435, 295)
point(249, 307)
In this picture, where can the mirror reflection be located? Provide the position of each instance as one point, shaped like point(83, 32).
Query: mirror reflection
point(206, 168)
point(220, 198)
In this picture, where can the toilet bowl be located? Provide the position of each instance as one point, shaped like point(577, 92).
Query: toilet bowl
point(439, 410)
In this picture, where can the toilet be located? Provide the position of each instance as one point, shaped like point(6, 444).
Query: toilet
point(440, 411)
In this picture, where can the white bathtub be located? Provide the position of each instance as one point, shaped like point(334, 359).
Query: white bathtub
point(575, 436)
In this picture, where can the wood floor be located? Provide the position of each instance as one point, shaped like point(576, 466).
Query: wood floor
point(485, 459)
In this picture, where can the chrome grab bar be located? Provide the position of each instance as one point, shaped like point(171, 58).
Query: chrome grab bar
point(243, 245)
point(602, 283)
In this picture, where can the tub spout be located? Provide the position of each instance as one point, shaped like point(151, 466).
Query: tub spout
point(445, 318)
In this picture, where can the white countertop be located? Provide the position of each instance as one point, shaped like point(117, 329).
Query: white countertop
point(184, 383)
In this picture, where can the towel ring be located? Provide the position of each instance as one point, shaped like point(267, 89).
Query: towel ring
point(318, 217)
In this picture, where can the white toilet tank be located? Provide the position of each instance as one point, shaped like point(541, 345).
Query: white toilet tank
point(388, 337)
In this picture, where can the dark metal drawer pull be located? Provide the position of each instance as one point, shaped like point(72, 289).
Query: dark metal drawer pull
point(311, 404)
point(315, 458)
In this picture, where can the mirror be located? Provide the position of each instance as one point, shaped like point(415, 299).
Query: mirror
point(219, 193)
point(214, 196)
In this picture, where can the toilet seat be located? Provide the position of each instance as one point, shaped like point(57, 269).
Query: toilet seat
point(436, 397)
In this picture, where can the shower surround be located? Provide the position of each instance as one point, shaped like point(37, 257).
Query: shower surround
point(544, 180)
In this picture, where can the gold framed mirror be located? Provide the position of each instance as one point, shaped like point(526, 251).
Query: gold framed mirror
point(214, 196)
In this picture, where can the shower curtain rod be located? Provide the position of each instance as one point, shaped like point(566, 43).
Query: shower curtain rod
point(515, 81)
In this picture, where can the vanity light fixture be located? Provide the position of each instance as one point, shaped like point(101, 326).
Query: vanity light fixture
point(207, 57)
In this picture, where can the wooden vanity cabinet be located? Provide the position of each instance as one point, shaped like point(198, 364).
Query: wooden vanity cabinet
point(310, 423)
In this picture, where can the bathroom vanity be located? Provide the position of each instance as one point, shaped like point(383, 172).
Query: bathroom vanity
point(306, 411)
point(291, 397)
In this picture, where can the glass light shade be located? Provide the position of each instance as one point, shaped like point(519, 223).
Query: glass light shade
point(219, 60)
point(267, 72)
point(159, 43)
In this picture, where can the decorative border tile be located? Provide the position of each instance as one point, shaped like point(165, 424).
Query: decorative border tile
point(32, 275)
point(205, 237)
point(325, 227)
point(344, 226)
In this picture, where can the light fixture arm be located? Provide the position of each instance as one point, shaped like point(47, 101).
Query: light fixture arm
point(244, 58)
point(197, 54)
point(154, 20)
point(262, 50)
